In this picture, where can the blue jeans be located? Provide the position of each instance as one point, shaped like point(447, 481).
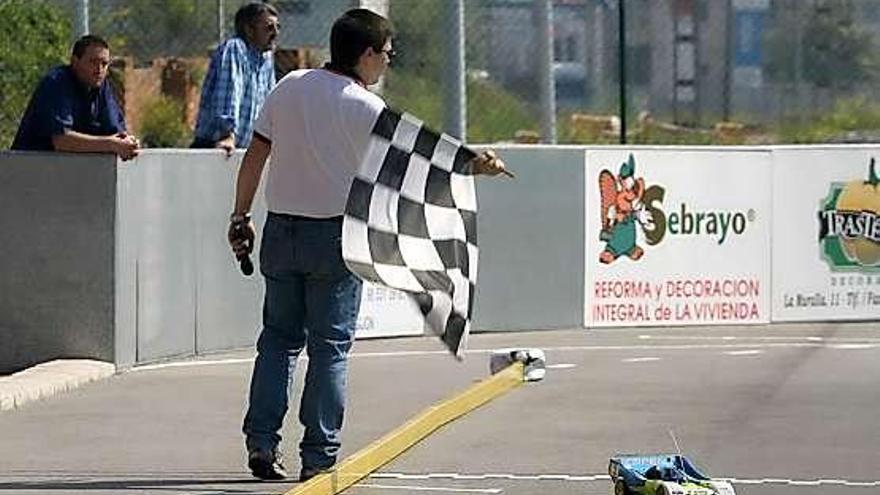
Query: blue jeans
point(311, 301)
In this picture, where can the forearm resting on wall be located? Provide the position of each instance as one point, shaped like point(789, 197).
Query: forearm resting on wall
point(83, 143)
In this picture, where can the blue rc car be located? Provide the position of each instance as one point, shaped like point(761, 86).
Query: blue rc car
point(662, 474)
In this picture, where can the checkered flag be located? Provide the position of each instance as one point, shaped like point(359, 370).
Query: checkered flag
point(411, 222)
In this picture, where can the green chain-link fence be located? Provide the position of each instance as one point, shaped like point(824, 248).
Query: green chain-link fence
point(697, 71)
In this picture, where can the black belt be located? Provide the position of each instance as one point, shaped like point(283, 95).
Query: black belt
point(287, 217)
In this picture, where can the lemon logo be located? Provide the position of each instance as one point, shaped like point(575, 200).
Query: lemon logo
point(849, 224)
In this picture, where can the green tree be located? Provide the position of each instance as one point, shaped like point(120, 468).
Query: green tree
point(162, 126)
point(419, 36)
point(33, 38)
point(838, 54)
point(418, 74)
point(422, 31)
point(833, 53)
point(493, 113)
point(147, 29)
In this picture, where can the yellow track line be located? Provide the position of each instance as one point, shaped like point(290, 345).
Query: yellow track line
point(383, 450)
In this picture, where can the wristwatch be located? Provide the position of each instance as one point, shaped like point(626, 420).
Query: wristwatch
point(240, 217)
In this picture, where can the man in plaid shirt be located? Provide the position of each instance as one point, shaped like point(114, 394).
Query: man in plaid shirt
point(239, 78)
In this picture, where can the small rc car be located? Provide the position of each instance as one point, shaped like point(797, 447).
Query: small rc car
point(662, 474)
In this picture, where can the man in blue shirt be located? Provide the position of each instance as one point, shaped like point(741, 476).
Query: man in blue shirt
point(73, 108)
point(239, 77)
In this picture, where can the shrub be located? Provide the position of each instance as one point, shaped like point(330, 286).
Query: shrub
point(493, 114)
point(855, 115)
point(162, 124)
point(35, 38)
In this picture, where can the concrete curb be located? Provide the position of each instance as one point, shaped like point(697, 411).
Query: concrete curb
point(50, 378)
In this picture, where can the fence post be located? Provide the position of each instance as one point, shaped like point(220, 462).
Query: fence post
point(598, 66)
point(621, 67)
point(455, 114)
point(728, 62)
point(221, 17)
point(546, 79)
point(81, 21)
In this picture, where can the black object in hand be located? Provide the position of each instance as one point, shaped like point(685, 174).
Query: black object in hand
point(247, 267)
point(244, 262)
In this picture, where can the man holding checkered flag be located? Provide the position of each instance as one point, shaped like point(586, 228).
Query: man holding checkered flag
point(320, 126)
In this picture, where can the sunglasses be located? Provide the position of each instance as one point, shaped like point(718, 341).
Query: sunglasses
point(391, 53)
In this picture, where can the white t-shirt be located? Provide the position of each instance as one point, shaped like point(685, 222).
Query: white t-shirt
point(319, 123)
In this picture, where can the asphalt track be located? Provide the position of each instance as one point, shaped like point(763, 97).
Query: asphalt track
point(790, 410)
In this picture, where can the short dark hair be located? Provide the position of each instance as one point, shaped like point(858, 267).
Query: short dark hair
point(79, 48)
point(353, 32)
point(246, 15)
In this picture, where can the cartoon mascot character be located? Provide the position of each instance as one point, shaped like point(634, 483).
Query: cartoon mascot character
point(621, 208)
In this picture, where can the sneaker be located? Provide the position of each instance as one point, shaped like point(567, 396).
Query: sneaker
point(266, 465)
point(307, 473)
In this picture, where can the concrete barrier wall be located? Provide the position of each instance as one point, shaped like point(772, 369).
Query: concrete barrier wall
point(127, 261)
point(56, 258)
point(179, 288)
point(531, 237)
point(120, 261)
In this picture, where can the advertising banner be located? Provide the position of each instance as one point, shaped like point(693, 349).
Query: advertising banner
point(387, 313)
point(677, 236)
point(826, 236)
